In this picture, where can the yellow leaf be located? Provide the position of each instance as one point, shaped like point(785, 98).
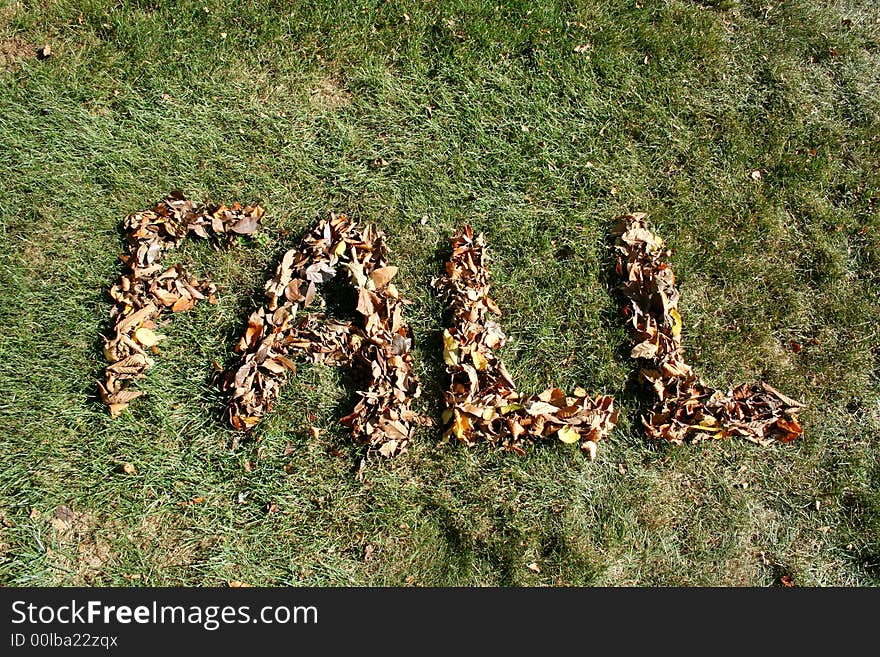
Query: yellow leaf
point(480, 361)
point(340, 248)
point(489, 413)
point(146, 337)
point(676, 322)
point(510, 407)
point(461, 426)
point(450, 349)
point(568, 435)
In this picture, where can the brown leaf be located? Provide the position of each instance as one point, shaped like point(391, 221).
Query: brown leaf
point(247, 225)
point(365, 302)
point(183, 304)
point(388, 448)
point(646, 349)
point(147, 337)
point(117, 408)
point(382, 276)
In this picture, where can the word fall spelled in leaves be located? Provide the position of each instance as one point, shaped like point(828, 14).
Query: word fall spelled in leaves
point(482, 403)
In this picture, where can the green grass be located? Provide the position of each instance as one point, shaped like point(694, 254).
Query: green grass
point(484, 113)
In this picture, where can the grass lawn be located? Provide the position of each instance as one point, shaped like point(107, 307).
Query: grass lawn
point(539, 123)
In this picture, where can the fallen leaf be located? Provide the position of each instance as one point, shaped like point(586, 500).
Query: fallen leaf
point(116, 409)
point(382, 276)
point(645, 349)
point(568, 435)
point(365, 302)
point(183, 304)
point(247, 225)
point(147, 338)
point(450, 348)
point(534, 567)
point(128, 468)
point(461, 426)
point(388, 448)
point(676, 323)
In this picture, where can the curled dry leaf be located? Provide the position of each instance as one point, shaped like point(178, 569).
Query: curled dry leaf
point(292, 325)
point(482, 401)
point(686, 408)
point(148, 289)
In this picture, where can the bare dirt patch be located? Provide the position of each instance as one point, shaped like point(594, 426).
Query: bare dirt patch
point(13, 50)
point(165, 544)
point(7, 13)
point(80, 553)
point(330, 93)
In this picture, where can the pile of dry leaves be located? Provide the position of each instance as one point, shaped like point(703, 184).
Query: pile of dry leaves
point(378, 350)
point(482, 401)
point(148, 288)
point(687, 409)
